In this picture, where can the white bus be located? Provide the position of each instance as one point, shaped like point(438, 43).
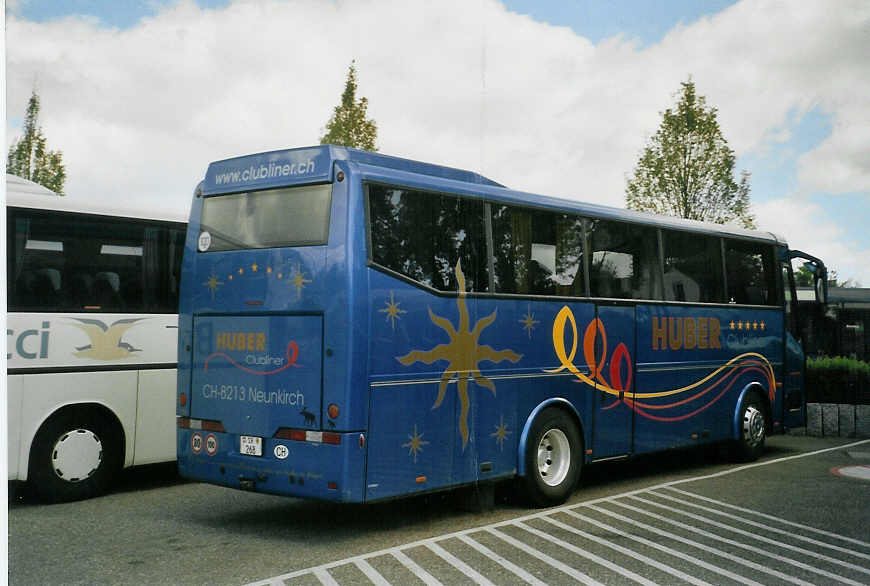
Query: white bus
point(91, 334)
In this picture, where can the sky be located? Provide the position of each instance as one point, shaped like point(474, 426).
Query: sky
point(554, 97)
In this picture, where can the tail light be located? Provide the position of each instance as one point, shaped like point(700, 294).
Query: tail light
point(203, 424)
point(304, 435)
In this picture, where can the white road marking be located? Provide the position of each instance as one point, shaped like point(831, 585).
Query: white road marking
point(590, 556)
point(321, 572)
point(763, 540)
point(371, 573)
point(707, 534)
point(565, 568)
point(668, 550)
point(508, 565)
point(768, 540)
point(766, 527)
point(860, 472)
point(772, 518)
point(457, 563)
point(701, 546)
point(425, 576)
point(325, 578)
point(625, 551)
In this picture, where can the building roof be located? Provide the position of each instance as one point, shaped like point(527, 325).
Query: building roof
point(846, 297)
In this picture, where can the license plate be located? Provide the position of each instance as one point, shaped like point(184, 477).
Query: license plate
point(250, 445)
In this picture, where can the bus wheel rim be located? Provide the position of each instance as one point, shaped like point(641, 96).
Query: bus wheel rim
point(753, 426)
point(76, 455)
point(554, 457)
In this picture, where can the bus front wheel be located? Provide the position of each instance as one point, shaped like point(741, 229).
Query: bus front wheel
point(75, 456)
point(553, 458)
point(753, 429)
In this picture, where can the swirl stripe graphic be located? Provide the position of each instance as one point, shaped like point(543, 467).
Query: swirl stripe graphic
point(292, 354)
point(724, 376)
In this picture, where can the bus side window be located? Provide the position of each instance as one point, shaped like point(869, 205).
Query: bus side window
point(35, 264)
point(537, 252)
point(693, 267)
point(749, 272)
point(81, 262)
point(422, 235)
point(624, 261)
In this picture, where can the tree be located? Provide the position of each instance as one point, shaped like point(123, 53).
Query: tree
point(686, 169)
point(30, 158)
point(348, 125)
point(803, 277)
point(834, 281)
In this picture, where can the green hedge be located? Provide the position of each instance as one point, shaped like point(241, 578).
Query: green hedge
point(838, 380)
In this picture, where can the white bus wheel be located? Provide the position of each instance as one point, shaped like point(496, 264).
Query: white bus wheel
point(553, 458)
point(753, 429)
point(75, 455)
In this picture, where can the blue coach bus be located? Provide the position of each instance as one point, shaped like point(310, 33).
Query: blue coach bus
point(355, 327)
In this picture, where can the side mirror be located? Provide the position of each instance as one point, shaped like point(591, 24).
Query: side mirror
point(819, 271)
point(820, 284)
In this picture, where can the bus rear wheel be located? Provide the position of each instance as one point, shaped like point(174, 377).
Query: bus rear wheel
point(753, 429)
point(75, 455)
point(553, 459)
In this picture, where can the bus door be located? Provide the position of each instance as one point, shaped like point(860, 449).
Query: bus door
point(793, 399)
point(614, 376)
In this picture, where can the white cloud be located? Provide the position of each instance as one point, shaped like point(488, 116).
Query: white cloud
point(804, 225)
point(141, 112)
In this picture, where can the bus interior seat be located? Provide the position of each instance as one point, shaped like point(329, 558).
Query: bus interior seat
point(602, 285)
point(24, 285)
point(132, 290)
point(41, 288)
point(81, 289)
point(540, 281)
point(754, 295)
point(106, 290)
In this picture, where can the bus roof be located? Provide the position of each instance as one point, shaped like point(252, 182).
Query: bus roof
point(315, 164)
point(24, 193)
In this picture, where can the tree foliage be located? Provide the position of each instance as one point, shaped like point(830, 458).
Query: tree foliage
point(29, 156)
point(348, 125)
point(834, 281)
point(803, 277)
point(687, 168)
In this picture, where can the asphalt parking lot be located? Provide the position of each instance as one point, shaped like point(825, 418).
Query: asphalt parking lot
point(800, 515)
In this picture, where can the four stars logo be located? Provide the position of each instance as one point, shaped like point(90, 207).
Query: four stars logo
point(463, 353)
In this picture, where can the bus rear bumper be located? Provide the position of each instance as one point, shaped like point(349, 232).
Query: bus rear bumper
point(332, 472)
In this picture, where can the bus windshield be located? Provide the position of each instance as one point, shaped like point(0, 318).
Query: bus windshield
point(298, 216)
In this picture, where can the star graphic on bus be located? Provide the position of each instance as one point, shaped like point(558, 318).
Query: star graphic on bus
point(212, 283)
point(529, 321)
point(392, 310)
point(298, 280)
point(463, 354)
point(500, 434)
point(416, 444)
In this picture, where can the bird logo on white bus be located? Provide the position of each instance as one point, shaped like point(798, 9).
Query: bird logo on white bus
point(105, 339)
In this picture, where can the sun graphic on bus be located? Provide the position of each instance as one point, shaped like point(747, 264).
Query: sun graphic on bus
point(462, 353)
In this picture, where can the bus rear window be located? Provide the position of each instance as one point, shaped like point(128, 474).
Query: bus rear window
point(294, 216)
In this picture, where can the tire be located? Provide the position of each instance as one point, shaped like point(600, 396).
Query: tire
point(76, 455)
point(753, 429)
point(554, 456)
